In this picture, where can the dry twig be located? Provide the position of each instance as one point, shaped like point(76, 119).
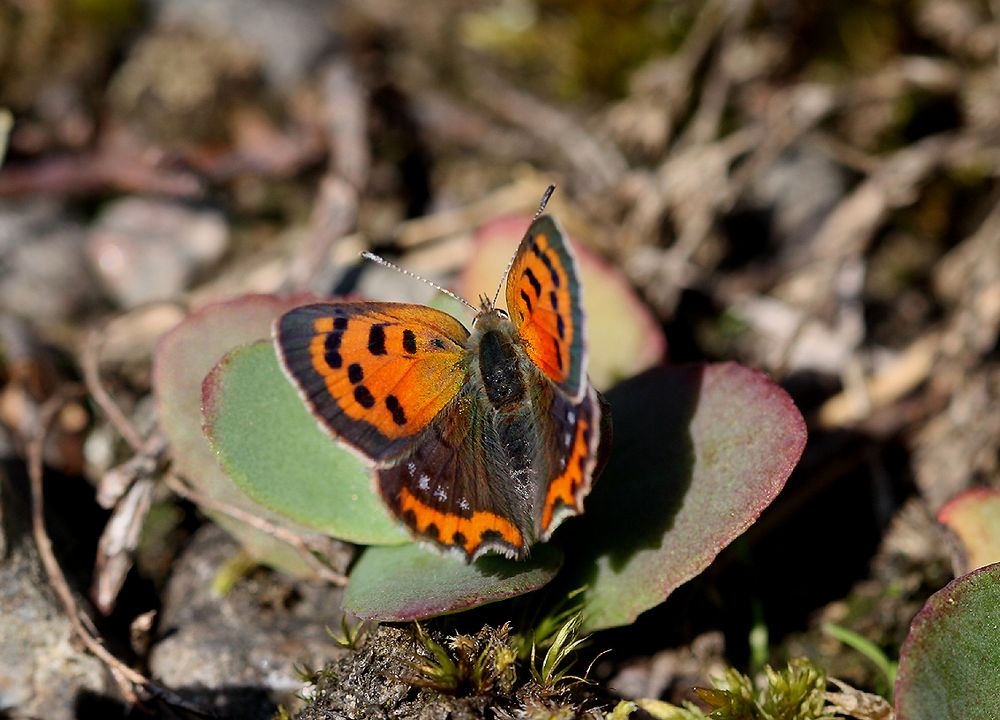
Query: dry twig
point(90, 361)
point(308, 552)
point(130, 682)
point(336, 208)
point(97, 172)
point(597, 164)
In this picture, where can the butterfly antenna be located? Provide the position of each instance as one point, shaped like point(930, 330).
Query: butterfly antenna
point(385, 263)
point(541, 208)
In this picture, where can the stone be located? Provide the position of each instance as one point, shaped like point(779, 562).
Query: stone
point(43, 275)
point(286, 35)
point(146, 250)
point(254, 638)
point(43, 673)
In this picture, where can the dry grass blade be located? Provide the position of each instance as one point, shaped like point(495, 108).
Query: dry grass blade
point(116, 548)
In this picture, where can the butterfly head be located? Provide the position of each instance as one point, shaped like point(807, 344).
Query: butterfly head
point(488, 308)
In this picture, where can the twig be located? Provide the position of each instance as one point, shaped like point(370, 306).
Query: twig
point(6, 123)
point(704, 125)
point(128, 680)
point(309, 554)
point(519, 196)
point(597, 164)
point(912, 367)
point(335, 211)
point(96, 172)
point(90, 361)
point(850, 226)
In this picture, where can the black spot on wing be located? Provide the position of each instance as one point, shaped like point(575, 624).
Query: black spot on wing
point(527, 300)
point(528, 273)
point(393, 406)
point(364, 397)
point(376, 340)
point(492, 536)
point(561, 327)
point(355, 373)
point(340, 323)
point(438, 343)
point(544, 256)
point(409, 342)
point(331, 347)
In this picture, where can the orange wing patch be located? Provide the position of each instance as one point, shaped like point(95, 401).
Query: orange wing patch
point(374, 373)
point(452, 529)
point(543, 297)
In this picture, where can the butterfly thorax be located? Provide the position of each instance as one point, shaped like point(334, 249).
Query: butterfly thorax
point(496, 351)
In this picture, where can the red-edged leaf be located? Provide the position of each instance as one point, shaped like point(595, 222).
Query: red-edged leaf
point(698, 453)
point(974, 516)
point(949, 665)
point(182, 359)
point(272, 447)
point(410, 582)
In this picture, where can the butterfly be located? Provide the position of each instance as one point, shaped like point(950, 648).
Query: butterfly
point(480, 441)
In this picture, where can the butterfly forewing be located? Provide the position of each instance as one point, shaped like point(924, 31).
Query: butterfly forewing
point(544, 300)
point(375, 374)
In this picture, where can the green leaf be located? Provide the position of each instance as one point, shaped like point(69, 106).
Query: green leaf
point(410, 582)
point(182, 359)
point(273, 448)
point(949, 666)
point(625, 338)
point(699, 452)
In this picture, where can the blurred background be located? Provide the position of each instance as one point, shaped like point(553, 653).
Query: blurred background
point(808, 188)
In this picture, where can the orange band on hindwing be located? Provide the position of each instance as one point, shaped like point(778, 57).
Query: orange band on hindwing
point(466, 532)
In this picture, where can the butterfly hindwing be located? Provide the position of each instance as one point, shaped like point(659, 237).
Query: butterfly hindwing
point(544, 301)
point(451, 492)
point(574, 437)
point(374, 374)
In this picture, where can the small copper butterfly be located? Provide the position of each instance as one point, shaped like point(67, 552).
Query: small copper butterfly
point(480, 442)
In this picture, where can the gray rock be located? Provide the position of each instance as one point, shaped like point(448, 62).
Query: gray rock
point(287, 35)
point(799, 188)
point(42, 672)
point(43, 274)
point(146, 250)
point(254, 638)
